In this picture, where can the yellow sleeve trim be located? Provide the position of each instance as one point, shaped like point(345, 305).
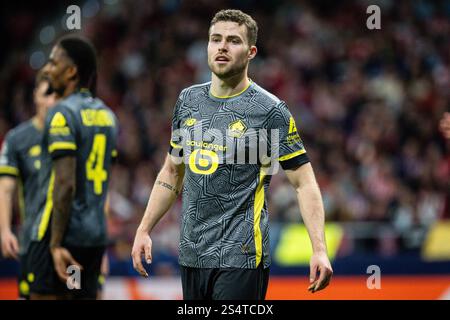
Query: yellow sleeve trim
point(43, 224)
point(62, 146)
point(175, 146)
point(257, 210)
point(9, 170)
point(292, 155)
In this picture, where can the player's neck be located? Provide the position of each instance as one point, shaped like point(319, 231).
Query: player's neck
point(70, 88)
point(38, 121)
point(229, 87)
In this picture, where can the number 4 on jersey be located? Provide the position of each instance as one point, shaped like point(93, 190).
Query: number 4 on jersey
point(95, 164)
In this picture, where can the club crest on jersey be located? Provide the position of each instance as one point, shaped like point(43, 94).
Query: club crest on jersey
point(236, 129)
point(190, 122)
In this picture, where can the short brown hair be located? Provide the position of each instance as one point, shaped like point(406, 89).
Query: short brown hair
point(240, 18)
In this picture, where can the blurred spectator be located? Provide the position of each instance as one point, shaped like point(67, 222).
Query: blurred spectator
point(444, 125)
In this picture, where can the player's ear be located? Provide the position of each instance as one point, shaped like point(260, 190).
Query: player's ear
point(72, 72)
point(35, 91)
point(252, 52)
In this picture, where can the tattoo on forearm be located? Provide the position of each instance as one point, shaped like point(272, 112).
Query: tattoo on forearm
point(167, 186)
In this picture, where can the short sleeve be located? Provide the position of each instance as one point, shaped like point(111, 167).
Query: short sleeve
point(175, 148)
point(291, 151)
point(8, 157)
point(61, 134)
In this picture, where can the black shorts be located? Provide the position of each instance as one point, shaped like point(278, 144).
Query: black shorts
point(23, 283)
point(224, 283)
point(46, 281)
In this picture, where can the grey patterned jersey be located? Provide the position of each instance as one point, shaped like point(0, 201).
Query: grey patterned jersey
point(83, 127)
point(19, 158)
point(230, 147)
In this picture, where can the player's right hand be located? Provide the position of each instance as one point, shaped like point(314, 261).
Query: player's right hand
point(62, 259)
point(10, 245)
point(320, 271)
point(142, 247)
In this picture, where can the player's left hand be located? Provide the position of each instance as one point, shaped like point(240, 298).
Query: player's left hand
point(320, 272)
point(61, 260)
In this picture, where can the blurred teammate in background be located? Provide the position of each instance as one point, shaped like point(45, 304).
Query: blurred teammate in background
point(77, 149)
point(224, 245)
point(19, 165)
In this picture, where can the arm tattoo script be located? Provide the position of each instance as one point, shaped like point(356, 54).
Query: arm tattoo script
point(167, 186)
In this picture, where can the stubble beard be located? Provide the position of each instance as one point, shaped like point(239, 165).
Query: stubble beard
point(227, 72)
point(57, 87)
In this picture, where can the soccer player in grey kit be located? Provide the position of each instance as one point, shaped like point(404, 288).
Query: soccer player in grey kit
point(19, 166)
point(224, 243)
point(78, 145)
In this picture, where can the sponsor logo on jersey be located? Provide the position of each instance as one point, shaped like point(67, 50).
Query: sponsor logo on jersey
point(58, 126)
point(237, 129)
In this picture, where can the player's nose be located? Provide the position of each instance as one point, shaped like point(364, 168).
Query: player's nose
point(223, 46)
point(223, 49)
